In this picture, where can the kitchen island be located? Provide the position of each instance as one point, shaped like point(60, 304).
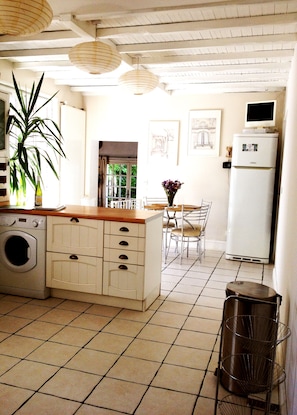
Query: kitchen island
point(102, 255)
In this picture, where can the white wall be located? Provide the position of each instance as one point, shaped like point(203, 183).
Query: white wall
point(126, 118)
point(285, 271)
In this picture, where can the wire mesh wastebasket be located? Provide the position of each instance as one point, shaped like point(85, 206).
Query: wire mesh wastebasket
point(250, 327)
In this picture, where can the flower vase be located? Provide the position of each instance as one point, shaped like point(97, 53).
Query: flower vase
point(170, 198)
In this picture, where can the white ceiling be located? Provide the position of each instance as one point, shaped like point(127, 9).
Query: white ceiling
point(193, 46)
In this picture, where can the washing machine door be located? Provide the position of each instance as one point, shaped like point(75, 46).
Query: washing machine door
point(18, 250)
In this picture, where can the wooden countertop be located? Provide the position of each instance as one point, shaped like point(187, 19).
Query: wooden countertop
point(89, 212)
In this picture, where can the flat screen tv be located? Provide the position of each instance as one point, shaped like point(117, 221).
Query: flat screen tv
point(260, 114)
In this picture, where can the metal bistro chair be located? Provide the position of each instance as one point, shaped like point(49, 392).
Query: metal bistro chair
point(191, 228)
point(126, 204)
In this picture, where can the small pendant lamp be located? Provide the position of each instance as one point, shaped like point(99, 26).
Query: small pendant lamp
point(95, 57)
point(139, 81)
point(24, 17)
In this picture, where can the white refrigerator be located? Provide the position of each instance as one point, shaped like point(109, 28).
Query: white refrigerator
point(251, 197)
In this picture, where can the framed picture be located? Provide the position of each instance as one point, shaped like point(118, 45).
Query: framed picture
point(163, 141)
point(204, 132)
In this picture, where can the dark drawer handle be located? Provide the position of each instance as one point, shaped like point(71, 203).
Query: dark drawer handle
point(123, 267)
point(73, 256)
point(123, 243)
point(124, 229)
point(123, 256)
point(74, 220)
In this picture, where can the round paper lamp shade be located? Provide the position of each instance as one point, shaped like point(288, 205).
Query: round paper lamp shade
point(24, 17)
point(94, 57)
point(139, 81)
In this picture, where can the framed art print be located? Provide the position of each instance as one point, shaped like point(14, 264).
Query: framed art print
point(163, 141)
point(204, 132)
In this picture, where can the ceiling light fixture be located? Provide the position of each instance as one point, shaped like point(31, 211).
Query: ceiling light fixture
point(24, 17)
point(139, 81)
point(95, 57)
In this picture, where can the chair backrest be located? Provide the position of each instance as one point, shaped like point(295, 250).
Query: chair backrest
point(208, 204)
point(154, 200)
point(197, 217)
point(126, 204)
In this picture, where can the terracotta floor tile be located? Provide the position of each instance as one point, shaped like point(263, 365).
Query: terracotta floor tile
point(93, 410)
point(73, 336)
point(177, 378)
point(134, 370)
point(29, 311)
point(176, 308)
point(90, 322)
point(202, 325)
point(53, 353)
point(195, 339)
point(108, 342)
point(11, 324)
point(168, 319)
point(78, 306)
point(19, 346)
point(40, 330)
point(12, 398)
point(7, 306)
point(206, 312)
point(103, 310)
point(141, 316)
point(158, 333)
point(123, 327)
point(48, 405)
point(71, 384)
point(7, 362)
point(92, 361)
point(28, 375)
point(205, 406)
point(59, 315)
point(162, 402)
point(147, 350)
point(188, 357)
point(117, 395)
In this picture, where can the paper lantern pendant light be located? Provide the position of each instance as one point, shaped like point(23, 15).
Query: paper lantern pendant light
point(24, 17)
point(139, 81)
point(95, 57)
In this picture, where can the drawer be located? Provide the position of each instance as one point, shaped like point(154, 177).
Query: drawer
point(75, 235)
point(82, 274)
point(124, 243)
point(124, 228)
point(124, 281)
point(123, 257)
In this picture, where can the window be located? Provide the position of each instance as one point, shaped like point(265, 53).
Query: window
point(121, 180)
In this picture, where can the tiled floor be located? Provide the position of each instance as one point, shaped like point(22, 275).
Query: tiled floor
point(65, 357)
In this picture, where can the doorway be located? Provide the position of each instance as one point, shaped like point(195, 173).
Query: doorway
point(117, 172)
point(121, 180)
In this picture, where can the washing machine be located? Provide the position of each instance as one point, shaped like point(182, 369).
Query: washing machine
point(22, 255)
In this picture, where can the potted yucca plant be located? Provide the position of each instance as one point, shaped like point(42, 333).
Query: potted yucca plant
point(23, 125)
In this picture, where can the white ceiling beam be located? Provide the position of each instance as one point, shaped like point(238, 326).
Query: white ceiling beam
point(215, 57)
point(34, 52)
point(167, 9)
point(198, 26)
point(41, 37)
point(226, 68)
point(85, 30)
point(265, 76)
point(205, 43)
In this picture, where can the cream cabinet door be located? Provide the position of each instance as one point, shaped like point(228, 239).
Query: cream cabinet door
point(74, 272)
point(120, 280)
point(75, 236)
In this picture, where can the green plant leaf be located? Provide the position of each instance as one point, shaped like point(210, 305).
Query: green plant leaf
point(24, 123)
